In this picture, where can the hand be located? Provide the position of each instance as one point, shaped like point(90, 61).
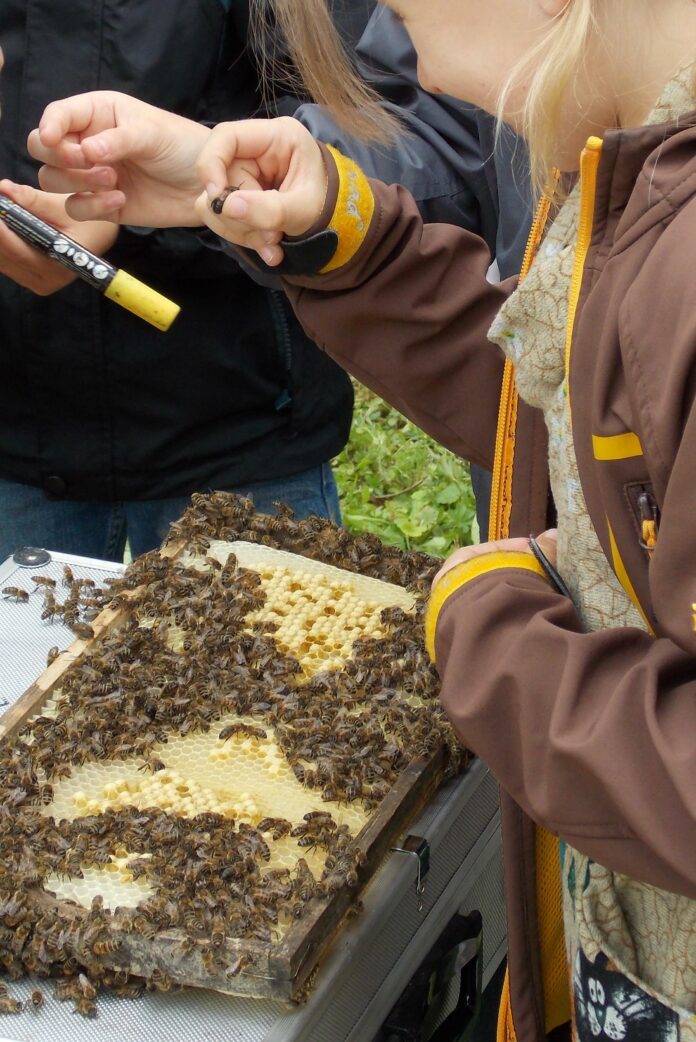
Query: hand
point(548, 541)
point(127, 162)
point(280, 170)
point(28, 266)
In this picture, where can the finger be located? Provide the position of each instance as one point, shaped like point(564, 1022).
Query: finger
point(66, 153)
point(87, 206)
point(53, 179)
point(549, 547)
point(47, 207)
point(67, 116)
point(25, 195)
point(460, 556)
point(247, 139)
point(265, 243)
point(515, 545)
point(262, 211)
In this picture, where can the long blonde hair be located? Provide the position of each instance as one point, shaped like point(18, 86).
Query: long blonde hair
point(316, 54)
point(549, 68)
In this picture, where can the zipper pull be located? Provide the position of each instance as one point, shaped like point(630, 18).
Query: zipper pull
point(647, 508)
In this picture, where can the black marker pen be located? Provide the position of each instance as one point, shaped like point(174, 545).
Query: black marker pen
point(114, 283)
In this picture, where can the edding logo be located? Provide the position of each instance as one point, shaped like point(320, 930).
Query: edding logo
point(354, 199)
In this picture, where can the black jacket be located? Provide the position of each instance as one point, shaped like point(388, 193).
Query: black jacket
point(95, 404)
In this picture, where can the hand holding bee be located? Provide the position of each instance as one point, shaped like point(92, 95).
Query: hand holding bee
point(279, 169)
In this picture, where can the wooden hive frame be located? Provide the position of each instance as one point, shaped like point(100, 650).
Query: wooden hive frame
point(278, 970)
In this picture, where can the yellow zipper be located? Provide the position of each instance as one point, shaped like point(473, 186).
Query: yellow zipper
point(501, 488)
point(589, 164)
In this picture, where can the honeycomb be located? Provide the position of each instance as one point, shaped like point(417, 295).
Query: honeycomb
point(242, 778)
point(319, 610)
point(114, 884)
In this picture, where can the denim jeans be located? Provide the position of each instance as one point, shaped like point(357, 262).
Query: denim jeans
point(29, 518)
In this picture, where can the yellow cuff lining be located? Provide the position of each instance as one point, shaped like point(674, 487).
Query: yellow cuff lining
point(355, 205)
point(464, 573)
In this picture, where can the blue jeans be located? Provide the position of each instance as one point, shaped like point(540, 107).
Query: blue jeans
point(29, 518)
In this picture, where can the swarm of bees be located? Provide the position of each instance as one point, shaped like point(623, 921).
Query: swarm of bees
point(82, 601)
point(183, 657)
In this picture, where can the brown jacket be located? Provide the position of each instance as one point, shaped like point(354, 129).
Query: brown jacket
point(589, 734)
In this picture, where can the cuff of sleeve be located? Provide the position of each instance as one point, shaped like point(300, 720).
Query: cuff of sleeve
point(462, 574)
point(353, 211)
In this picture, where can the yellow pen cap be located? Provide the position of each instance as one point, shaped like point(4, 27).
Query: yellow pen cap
point(142, 300)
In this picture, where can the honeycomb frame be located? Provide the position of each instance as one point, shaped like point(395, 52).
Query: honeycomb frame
point(279, 968)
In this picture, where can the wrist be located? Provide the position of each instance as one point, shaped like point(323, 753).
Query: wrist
point(340, 229)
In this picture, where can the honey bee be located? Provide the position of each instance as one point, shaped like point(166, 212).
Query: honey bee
point(86, 987)
point(83, 630)
point(44, 795)
point(153, 766)
point(85, 1007)
point(237, 965)
point(68, 577)
point(240, 728)
point(52, 655)
point(160, 980)
point(8, 1004)
point(305, 883)
point(37, 998)
point(14, 593)
point(45, 581)
point(278, 827)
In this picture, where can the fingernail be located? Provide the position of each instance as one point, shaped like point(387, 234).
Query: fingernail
point(269, 237)
point(99, 148)
point(267, 254)
point(235, 207)
point(212, 191)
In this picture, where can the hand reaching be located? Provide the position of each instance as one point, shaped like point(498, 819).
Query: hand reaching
point(122, 160)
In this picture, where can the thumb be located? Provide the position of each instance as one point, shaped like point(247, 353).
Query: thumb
point(47, 206)
point(548, 542)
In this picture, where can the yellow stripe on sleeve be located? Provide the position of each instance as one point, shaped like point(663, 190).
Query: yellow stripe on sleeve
point(464, 573)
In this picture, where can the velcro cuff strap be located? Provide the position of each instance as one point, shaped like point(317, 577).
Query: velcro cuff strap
point(463, 573)
point(301, 256)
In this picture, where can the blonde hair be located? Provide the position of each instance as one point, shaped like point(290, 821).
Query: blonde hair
point(317, 56)
point(554, 63)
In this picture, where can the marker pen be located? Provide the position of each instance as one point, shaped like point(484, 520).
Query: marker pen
point(115, 284)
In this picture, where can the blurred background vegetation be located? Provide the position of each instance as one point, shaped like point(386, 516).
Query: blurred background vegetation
point(397, 482)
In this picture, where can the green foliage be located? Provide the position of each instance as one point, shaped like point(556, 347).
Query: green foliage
point(397, 482)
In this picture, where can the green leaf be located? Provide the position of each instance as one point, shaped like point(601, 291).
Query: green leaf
point(449, 494)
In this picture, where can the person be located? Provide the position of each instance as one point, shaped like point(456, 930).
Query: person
point(109, 425)
point(583, 705)
point(105, 439)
